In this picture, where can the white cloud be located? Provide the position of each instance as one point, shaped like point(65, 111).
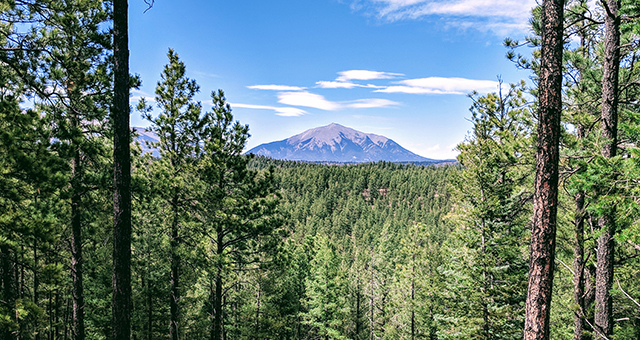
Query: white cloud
point(307, 99)
point(342, 85)
point(136, 95)
point(276, 87)
point(317, 101)
point(365, 75)
point(494, 15)
point(280, 111)
point(371, 103)
point(439, 85)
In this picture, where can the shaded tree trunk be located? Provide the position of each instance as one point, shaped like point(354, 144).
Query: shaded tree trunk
point(545, 200)
point(149, 305)
point(604, 270)
point(36, 286)
point(76, 250)
point(578, 269)
point(175, 274)
point(8, 291)
point(217, 302)
point(121, 298)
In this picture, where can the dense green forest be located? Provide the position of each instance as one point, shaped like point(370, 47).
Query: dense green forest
point(231, 246)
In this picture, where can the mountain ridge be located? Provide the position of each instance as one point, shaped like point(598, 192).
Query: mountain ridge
point(337, 143)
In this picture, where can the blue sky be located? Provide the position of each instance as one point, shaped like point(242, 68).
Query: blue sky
point(398, 68)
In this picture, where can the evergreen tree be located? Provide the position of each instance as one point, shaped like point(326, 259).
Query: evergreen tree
point(543, 235)
point(178, 128)
point(239, 205)
point(492, 194)
point(325, 299)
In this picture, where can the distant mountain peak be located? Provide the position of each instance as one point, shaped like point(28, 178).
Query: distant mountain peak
point(337, 143)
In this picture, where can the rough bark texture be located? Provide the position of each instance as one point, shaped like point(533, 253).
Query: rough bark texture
point(545, 200)
point(604, 270)
point(76, 252)
point(578, 269)
point(121, 299)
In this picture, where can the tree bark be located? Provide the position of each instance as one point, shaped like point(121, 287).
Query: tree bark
point(578, 268)
point(121, 298)
point(545, 200)
point(76, 250)
point(609, 122)
point(36, 286)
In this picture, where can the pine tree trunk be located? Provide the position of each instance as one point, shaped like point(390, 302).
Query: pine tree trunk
point(578, 268)
point(175, 274)
point(609, 122)
point(76, 251)
point(413, 297)
point(358, 312)
point(149, 305)
point(8, 292)
point(217, 306)
point(258, 311)
point(484, 289)
point(36, 286)
point(121, 298)
point(545, 200)
point(371, 304)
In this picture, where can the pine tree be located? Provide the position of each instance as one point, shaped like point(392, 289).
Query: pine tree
point(178, 128)
point(239, 206)
point(493, 198)
point(543, 235)
point(121, 299)
point(325, 287)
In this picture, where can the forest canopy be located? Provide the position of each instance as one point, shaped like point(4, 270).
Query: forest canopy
point(227, 245)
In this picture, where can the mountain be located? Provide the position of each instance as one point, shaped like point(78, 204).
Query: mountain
point(337, 143)
point(143, 136)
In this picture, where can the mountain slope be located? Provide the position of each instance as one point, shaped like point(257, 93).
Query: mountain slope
point(337, 143)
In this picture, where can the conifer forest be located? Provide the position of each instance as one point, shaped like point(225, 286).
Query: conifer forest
point(534, 234)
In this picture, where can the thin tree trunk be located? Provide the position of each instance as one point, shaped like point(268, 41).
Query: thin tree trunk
point(371, 305)
point(50, 314)
point(149, 305)
point(545, 200)
point(36, 286)
point(609, 122)
point(217, 307)
point(175, 274)
point(358, 297)
point(121, 298)
point(8, 292)
point(485, 307)
point(578, 268)
point(76, 250)
point(258, 311)
point(413, 297)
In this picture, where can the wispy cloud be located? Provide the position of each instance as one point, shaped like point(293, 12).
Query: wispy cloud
point(345, 79)
point(439, 85)
point(307, 99)
point(371, 103)
point(316, 101)
point(342, 85)
point(276, 87)
point(495, 15)
point(280, 111)
point(365, 75)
